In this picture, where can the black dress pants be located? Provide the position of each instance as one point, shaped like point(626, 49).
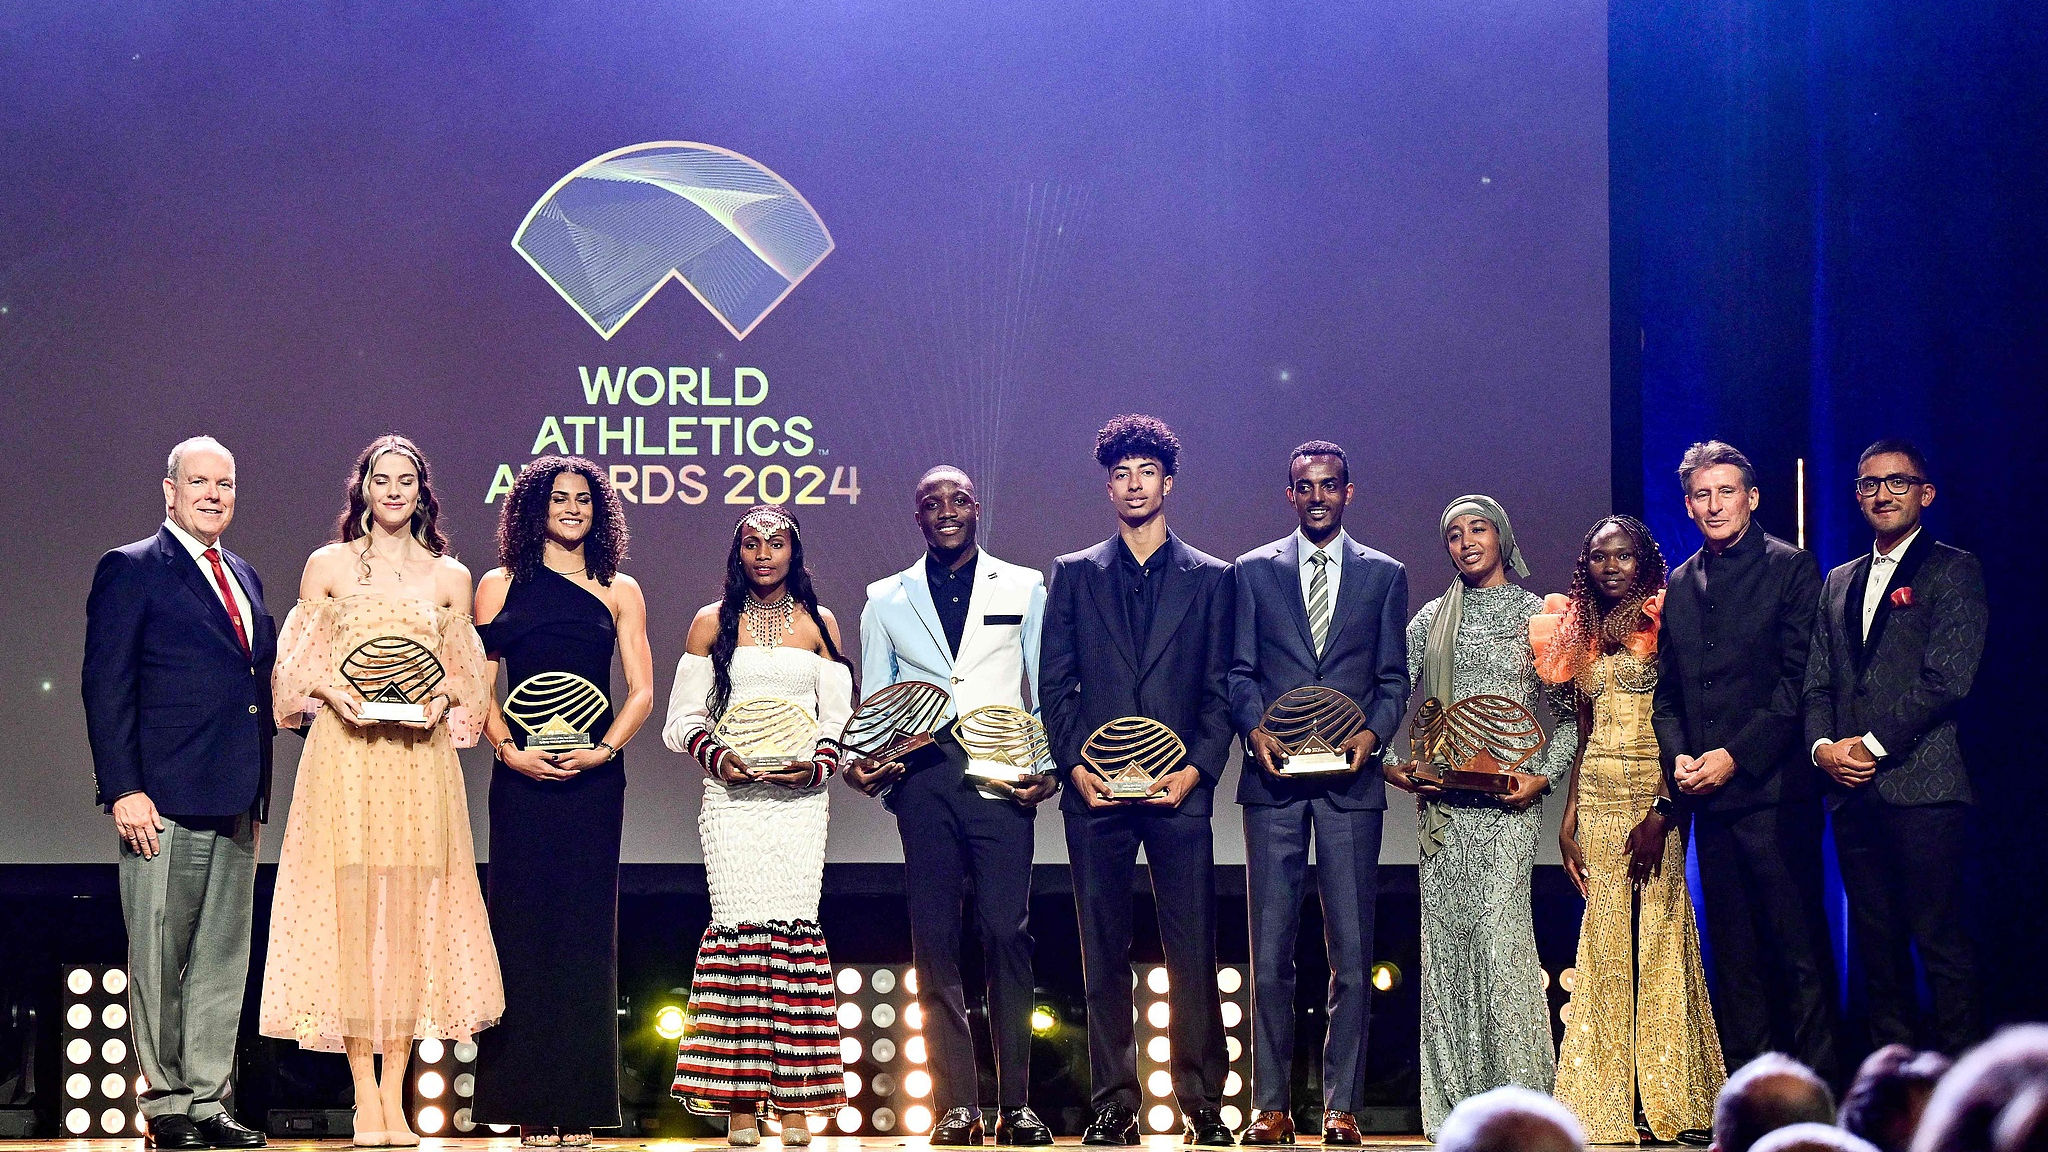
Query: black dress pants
point(1760, 880)
point(953, 834)
point(1102, 846)
point(1902, 870)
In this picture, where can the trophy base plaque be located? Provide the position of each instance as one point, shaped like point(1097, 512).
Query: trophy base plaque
point(915, 753)
point(385, 712)
point(995, 770)
point(549, 742)
point(1314, 763)
point(1458, 780)
point(1130, 789)
point(756, 765)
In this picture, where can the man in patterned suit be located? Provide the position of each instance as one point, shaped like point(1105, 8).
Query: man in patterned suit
point(1900, 633)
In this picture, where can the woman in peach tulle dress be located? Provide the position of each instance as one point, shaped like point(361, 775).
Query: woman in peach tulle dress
point(378, 933)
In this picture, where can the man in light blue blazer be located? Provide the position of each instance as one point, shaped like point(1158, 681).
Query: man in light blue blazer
point(969, 623)
point(1315, 608)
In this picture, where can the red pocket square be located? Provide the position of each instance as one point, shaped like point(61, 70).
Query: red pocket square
point(1902, 597)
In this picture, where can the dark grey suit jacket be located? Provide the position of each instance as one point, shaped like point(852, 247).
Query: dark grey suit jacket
point(1904, 681)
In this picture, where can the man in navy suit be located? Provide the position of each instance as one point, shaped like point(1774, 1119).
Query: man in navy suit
point(178, 653)
point(1139, 625)
point(1315, 608)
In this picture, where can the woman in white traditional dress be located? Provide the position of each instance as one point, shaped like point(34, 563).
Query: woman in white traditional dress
point(763, 1035)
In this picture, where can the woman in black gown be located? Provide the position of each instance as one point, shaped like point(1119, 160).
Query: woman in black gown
point(552, 613)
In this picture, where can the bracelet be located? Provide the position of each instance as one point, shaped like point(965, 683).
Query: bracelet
point(614, 751)
point(505, 741)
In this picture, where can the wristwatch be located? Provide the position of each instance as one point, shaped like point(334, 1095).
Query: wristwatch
point(1663, 806)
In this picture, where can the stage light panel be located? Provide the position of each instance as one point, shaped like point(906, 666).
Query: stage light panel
point(880, 1053)
point(1155, 1043)
point(438, 1066)
point(99, 1073)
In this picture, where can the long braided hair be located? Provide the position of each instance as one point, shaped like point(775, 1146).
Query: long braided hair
point(730, 605)
point(1586, 628)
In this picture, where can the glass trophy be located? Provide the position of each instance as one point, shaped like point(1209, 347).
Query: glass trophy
point(1312, 722)
point(556, 710)
point(1132, 753)
point(395, 676)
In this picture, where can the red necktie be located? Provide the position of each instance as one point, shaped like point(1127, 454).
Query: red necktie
point(227, 593)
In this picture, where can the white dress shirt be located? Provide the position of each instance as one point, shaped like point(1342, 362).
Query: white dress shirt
point(198, 549)
point(1306, 551)
point(1883, 566)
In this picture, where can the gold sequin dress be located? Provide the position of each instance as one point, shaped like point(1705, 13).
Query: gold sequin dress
point(378, 930)
point(1639, 1021)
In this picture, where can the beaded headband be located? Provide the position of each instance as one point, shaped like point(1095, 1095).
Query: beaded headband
point(766, 521)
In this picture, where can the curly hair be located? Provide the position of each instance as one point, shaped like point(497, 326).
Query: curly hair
point(354, 523)
point(1314, 448)
point(1133, 435)
point(523, 520)
point(1585, 623)
point(734, 597)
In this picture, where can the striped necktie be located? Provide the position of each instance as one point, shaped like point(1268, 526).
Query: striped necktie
point(1319, 599)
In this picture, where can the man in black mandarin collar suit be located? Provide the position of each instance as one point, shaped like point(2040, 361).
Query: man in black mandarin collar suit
point(178, 653)
point(1901, 630)
point(1315, 608)
point(1738, 620)
point(1140, 625)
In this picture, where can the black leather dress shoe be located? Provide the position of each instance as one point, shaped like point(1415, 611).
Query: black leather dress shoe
point(958, 1127)
point(1696, 1137)
point(1113, 1124)
point(1021, 1128)
point(174, 1130)
point(222, 1131)
point(1205, 1127)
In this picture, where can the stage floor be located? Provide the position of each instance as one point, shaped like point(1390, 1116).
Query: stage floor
point(821, 1144)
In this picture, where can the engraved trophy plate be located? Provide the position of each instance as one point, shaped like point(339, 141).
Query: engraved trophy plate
point(896, 725)
point(1311, 722)
point(1003, 743)
point(556, 710)
point(1132, 753)
point(395, 676)
point(768, 733)
point(1473, 745)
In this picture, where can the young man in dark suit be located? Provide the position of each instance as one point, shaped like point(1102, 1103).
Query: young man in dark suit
point(1901, 630)
point(1738, 620)
point(1140, 625)
point(178, 653)
point(1315, 608)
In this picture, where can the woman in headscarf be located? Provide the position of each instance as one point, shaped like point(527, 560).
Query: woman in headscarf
point(1485, 1020)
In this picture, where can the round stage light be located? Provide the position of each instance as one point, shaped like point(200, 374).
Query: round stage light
point(1159, 1118)
point(850, 1016)
point(78, 1086)
point(1042, 1020)
point(78, 1121)
point(114, 1051)
point(1232, 1014)
point(816, 1122)
point(918, 1083)
point(141, 1124)
point(1232, 1118)
point(1564, 1011)
point(913, 1015)
point(465, 1052)
point(885, 1084)
point(114, 980)
point(78, 1016)
point(1159, 1048)
point(917, 1119)
point(1568, 980)
point(430, 1085)
point(884, 1015)
point(853, 1085)
point(113, 1085)
point(113, 1121)
point(80, 982)
point(465, 1086)
point(669, 1022)
point(499, 1129)
point(849, 981)
point(849, 1050)
point(883, 981)
point(770, 1123)
point(1229, 980)
point(431, 1051)
point(1156, 978)
point(884, 1119)
point(1159, 1083)
point(78, 1052)
point(1543, 978)
point(913, 1050)
point(141, 1085)
point(1234, 1047)
point(114, 1016)
point(463, 1120)
point(848, 1120)
point(884, 1051)
point(1386, 976)
point(1158, 1014)
point(430, 1120)
point(1232, 1085)
point(910, 981)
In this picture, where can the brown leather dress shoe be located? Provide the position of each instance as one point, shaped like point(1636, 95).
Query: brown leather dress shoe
point(1341, 1129)
point(1269, 1127)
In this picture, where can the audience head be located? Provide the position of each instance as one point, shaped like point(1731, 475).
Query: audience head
point(1967, 1110)
point(1511, 1119)
point(1811, 1137)
point(1884, 1104)
point(1770, 1092)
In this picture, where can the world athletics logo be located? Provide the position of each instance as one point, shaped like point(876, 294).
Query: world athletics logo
point(611, 233)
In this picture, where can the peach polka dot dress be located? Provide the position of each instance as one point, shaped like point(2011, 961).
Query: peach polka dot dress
point(378, 929)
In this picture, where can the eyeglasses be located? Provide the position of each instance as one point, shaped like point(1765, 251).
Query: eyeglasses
point(1898, 484)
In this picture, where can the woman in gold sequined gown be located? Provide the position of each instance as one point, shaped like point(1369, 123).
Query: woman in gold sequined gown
point(1638, 1029)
